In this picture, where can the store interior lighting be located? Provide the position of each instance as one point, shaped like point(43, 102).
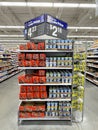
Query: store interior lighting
point(48, 4)
point(69, 27)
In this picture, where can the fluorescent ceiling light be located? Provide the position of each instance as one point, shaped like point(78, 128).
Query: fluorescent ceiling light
point(70, 27)
point(48, 4)
point(82, 27)
point(14, 41)
point(12, 27)
point(39, 4)
point(67, 5)
point(12, 3)
point(87, 5)
point(11, 35)
point(81, 36)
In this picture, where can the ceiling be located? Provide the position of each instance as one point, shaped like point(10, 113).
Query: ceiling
point(16, 16)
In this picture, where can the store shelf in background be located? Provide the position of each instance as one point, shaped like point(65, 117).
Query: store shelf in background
point(28, 84)
point(1, 80)
point(44, 67)
point(96, 82)
point(90, 61)
point(92, 66)
point(90, 73)
point(92, 56)
point(96, 48)
point(5, 57)
point(43, 100)
point(92, 81)
point(45, 51)
point(89, 79)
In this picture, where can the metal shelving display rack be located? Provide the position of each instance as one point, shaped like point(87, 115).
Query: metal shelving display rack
point(80, 49)
point(92, 64)
point(61, 52)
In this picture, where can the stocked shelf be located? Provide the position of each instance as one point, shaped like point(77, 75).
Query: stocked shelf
point(1, 80)
point(94, 56)
point(45, 68)
point(92, 66)
point(90, 73)
point(45, 51)
point(43, 100)
point(7, 68)
point(47, 79)
point(50, 84)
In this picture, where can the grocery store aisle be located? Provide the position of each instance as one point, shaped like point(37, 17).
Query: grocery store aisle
point(9, 102)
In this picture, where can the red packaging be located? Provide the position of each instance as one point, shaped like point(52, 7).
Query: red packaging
point(42, 56)
point(41, 114)
point(34, 108)
point(42, 63)
point(42, 88)
point(31, 46)
point(28, 108)
point(29, 89)
point(34, 114)
point(22, 96)
point(23, 89)
point(26, 63)
point(35, 63)
point(22, 115)
point(36, 95)
point(42, 108)
point(28, 114)
point(35, 56)
point(43, 95)
point(23, 47)
point(35, 88)
point(41, 46)
point(29, 56)
point(35, 79)
point(21, 56)
point(42, 79)
point(29, 95)
point(21, 79)
point(28, 79)
point(42, 72)
point(21, 108)
point(22, 63)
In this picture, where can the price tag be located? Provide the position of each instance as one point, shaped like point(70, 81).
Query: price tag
point(45, 25)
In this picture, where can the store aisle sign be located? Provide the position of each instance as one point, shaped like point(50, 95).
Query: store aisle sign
point(45, 25)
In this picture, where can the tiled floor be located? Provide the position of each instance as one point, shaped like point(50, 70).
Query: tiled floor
point(9, 102)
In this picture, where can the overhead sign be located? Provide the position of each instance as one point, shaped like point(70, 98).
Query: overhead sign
point(45, 24)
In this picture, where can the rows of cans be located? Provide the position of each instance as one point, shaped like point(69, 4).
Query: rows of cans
point(59, 92)
point(58, 80)
point(58, 114)
point(50, 59)
point(58, 106)
point(58, 73)
point(59, 44)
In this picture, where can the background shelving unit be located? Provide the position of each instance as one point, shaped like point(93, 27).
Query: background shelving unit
point(92, 64)
point(8, 64)
point(51, 114)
